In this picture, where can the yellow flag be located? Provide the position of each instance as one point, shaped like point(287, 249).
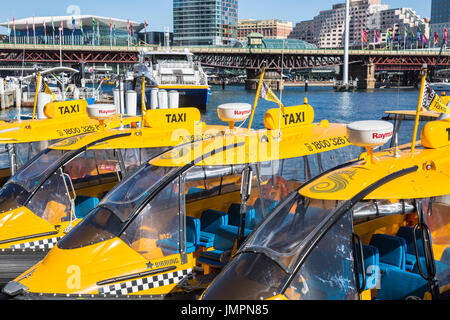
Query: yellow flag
point(267, 94)
point(48, 91)
point(432, 101)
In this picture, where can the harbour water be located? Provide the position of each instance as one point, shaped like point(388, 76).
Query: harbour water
point(341, 107)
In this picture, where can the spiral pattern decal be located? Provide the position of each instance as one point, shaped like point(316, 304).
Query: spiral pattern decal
point(67, 142)
point(337, 182)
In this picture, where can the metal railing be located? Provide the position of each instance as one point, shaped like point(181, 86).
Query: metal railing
point(193, 49)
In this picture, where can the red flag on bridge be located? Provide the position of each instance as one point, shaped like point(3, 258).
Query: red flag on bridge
point(364, 36)
point(377, 36)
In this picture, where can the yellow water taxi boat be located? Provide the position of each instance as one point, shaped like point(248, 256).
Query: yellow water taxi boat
point(377, 228)
point(53, 192)
point(23, 139)
point(168, 228)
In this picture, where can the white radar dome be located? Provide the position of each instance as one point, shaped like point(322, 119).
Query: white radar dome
point(370, 133)
point(101, 111)
point(234, 112)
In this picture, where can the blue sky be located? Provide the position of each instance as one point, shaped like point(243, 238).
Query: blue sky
point(159, 12)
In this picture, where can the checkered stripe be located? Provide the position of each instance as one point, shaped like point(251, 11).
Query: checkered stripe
point(41, 244)
point(142, 284)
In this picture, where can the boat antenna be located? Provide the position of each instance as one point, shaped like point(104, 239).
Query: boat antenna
point(423, 73)
point(121, 103)
point(38, 84)
point(433, 67)
point(143, 104)
point(346, 42)
point(258, 91)
point(281, 89)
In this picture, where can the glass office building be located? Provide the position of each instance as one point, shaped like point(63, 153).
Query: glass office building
point(440, 17)
point(440, 11)
point(205, 22)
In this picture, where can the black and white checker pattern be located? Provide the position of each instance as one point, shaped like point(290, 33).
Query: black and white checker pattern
point(45, 244)
point(142, 284)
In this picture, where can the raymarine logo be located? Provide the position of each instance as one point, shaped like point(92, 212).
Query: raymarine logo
point(382, 135)
point(241, 113)
point(105, 111)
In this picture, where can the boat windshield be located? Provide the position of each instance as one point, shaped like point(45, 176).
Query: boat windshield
point(125, 198)
point(43, 164)
point(17, 190)
point(161, 58)
point(282, 235)
point(110, 217)
point(269, 261)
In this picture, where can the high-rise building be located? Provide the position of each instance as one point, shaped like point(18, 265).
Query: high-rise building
point(326, 30)
point(440, 16)
point(205, 22)
point(303, 30)
point(270, 29)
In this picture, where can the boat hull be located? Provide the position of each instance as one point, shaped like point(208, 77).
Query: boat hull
point(440, 87)
point(15, 262)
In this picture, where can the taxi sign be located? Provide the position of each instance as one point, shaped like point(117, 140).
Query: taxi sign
point(53, 110)
point(291, 117)
point(436, 134)
point(162, 118)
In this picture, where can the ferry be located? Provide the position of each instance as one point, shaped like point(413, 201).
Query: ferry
point(54, 191)
point(376, 228)
point(173, 71)
point(167, 229)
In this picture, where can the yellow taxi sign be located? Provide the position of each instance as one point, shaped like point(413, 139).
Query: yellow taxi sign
point(61, 109)
point(163, 118)
point(436, 134)
point(291, 117)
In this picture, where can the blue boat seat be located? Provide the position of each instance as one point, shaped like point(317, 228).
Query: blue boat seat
point(441, 266)
point(407, 233)
point(170, 246)
point(195, 190)
point(371, 264)
point(397, 284)
point(223, 244)
point(210, 222)
point(392, 251)
point(84, 205)
point(234, 215)
point(445, 258)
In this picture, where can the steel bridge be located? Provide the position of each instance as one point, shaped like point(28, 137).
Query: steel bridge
point(277, 59)
point(236, 58)
point(363, 63)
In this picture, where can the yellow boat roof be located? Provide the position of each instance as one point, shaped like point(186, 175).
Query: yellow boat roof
point(430, 178)
point(58, 128)
point(258, 146)
point(140, 137)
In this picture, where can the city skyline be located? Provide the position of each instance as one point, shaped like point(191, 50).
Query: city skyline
point(292, 10)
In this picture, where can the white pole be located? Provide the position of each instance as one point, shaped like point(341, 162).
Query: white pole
point(346, 41)
point(60, 46)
